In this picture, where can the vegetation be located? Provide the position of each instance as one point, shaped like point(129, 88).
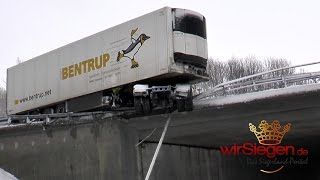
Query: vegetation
point(234, 68)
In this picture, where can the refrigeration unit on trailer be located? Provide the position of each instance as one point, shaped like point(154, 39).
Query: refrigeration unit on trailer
point(145, 63)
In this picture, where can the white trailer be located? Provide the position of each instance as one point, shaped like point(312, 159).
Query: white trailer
point(135, 64)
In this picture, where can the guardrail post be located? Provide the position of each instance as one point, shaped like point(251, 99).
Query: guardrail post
point(254, 86)
point(223, 91)
point(9, 120)
point(28, 120)
point(284, 81)
point(47, 119)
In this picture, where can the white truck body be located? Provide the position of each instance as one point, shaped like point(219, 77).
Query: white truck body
point(92, 64)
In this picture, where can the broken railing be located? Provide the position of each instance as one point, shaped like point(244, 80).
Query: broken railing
point(48, 119)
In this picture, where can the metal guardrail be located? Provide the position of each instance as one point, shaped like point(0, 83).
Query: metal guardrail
point(262, 81)
point(47, 119)
point(3, 119)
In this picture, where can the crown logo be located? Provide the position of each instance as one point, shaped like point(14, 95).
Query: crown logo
point(270, 134)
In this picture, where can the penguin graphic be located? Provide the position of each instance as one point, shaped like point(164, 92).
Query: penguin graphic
point(133, 48)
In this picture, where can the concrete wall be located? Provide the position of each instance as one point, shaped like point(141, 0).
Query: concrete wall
point(180, 162)
point(99, 150)
point(106, 150)
point(192, 163)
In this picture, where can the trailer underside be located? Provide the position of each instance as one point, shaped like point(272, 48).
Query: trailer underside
point(123, 94)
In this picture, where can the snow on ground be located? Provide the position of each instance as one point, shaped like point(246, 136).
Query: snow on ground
point(6, 176)
point(243, 98)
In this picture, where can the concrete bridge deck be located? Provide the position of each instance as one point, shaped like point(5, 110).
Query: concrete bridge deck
point(104, 147)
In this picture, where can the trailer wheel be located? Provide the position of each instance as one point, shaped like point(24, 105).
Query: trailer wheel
point(180, 105)
point(146, 105)
point(61, 108)
point(189, 104)
point(138, 105)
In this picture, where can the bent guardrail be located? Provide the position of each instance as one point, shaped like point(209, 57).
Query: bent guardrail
point(47, 119)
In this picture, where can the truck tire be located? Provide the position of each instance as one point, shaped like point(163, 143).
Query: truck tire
point(60, 108)
point(180, 105)
point(146, 105)
point(138, 106)
point(188, 104)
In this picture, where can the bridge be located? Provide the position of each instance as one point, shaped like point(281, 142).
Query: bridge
point(109, 145)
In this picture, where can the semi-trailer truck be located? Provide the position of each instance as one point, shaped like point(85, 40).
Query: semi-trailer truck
point(145, 63)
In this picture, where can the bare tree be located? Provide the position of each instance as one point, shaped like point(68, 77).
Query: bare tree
point(271, 63)
point(252, 65)
point(216, 72)
point(234, 68)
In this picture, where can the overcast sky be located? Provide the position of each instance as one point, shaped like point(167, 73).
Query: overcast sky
point(279, 28)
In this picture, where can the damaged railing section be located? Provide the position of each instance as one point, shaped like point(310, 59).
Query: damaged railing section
point(49, 119)
point(273, 79)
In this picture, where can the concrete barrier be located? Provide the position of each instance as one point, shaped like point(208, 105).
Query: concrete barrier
point(190, 163)
point(97, 150)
